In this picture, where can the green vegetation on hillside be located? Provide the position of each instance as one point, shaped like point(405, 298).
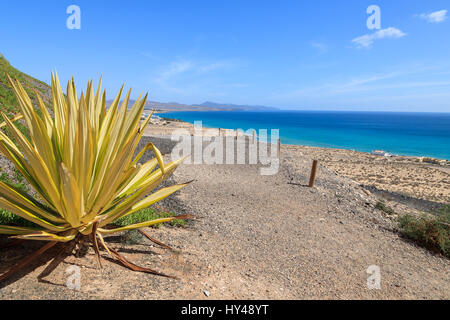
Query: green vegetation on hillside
point(381, 205)
point(6, 217)
point(429, 231)
point(8, 103)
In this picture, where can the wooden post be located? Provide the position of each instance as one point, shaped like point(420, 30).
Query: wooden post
point(312, 179)
point(279, 148)
point(254, 136)
point(220, 132)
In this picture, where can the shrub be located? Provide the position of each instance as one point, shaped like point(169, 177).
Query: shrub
point(381, 205)
point(430, 231)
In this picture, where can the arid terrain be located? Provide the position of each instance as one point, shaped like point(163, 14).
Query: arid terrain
point(406, 185)
point(266, 237)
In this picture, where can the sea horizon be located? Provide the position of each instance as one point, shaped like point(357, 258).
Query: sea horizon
point(419, 134)
point(159, 112)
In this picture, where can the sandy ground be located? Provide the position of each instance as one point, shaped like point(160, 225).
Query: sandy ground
point(256, 237)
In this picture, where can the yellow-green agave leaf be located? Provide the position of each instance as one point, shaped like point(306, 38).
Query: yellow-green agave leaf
point(45, 236)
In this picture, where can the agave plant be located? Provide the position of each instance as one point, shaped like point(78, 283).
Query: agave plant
point(81, 165)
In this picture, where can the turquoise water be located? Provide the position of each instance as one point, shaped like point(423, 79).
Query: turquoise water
point(415, 134)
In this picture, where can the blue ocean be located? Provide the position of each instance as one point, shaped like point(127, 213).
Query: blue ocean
point(415, 134)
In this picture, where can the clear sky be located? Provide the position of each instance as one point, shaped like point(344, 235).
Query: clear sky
point(290, 54)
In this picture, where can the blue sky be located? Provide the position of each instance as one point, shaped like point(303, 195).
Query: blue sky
point(316, 55)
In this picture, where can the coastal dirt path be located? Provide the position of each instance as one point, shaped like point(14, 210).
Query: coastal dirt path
point(270, 237)
point(260, 237)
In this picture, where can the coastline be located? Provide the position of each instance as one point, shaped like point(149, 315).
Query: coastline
point(167, 125)
point(395, 177)
point(413, 136)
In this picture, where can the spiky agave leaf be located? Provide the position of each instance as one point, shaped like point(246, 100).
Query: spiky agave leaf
point(81, 164)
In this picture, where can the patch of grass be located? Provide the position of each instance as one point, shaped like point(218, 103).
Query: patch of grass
point(9, 219)
point(134, 236)
point(429, 231)
point(20, 184)
point(6, 217)
point(4, 177)
point(19, 177)
point(147, 215)
point(381, 205)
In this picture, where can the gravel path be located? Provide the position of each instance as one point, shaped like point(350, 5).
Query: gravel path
point(265, 238)
point(262, 237)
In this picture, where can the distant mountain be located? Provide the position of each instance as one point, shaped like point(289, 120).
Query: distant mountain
point(235, 107)
point(206, 106)
point(168, 106)
point(174, 106)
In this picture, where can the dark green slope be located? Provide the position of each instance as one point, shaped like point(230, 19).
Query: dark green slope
point(8, 105)
point(8, 102)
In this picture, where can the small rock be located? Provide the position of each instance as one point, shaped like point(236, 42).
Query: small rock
point(206, 292)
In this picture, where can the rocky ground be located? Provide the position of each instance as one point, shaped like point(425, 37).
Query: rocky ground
point(255, 237)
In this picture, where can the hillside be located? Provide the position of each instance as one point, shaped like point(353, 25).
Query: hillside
point(174, 106)
point(206, 106)
point(8, 102)
point(235, 107)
